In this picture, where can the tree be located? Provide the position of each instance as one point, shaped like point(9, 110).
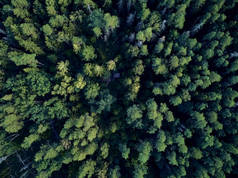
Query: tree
point(232, 81)
point(39, 82)
point(178, 18)
point(50, 7)
point(115, 172)
point(199, 120)
point(127, 89)
point(125, 151)
point(176, 100)
point(20, 8)
point(159, 47)
point(11, 123)
point(92, 91)
point(96, 19)
point(140, 171)
point(171, 156)
point(88, 53)
point(140, 36)
point(144, 150)
point(87, 169)
point(169, 116)
point(104, 104)
point(105, 150)
point(112, 22)
point(160, 142)
point(152, 109)
point(174, 62)
point(80, 83)
point(168, 50)
point(25, 59)
point(47, 29)
point(196, 153)
point(29, 140)
point(158, 66)
point(133, 114)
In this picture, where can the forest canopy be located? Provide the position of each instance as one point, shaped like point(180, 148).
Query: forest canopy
point(118, 88)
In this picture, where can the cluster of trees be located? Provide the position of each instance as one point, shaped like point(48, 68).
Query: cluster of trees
point(122, 88)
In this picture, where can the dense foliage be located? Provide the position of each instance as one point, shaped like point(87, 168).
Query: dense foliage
point(118, 88)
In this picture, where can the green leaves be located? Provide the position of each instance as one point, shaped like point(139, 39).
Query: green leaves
point(144, 35)
point(88, 53)
point(55, 108)
point(39, 83)
point(140, 36)
point(160, 142)
point(104, 104)
point(50, 154)
point(171, 156)
point(118, 88)
point(97, 19)
point(196, 153)
point(100, 21)
point(28, 29)
point(199, 120)
point(11, 123)
point(87, 169)
point(51, 7)
point(133, 114)
point(178, 18)
point(125, 151)
point(47, 29)
point(144, 150)
point(158, 67)
point(176, 100)
point(139, 171)
point(80, 83)
point(105, 150)
point(112, 22)
point(152, 109)
point(92, 91)
point(25, 59)
point(29, 140)
point(7, 97)
point(20, 8)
